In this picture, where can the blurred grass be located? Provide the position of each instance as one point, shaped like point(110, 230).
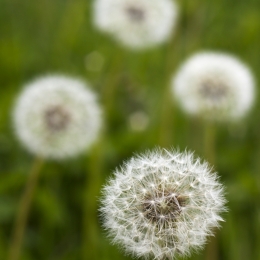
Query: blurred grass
point(41, 37)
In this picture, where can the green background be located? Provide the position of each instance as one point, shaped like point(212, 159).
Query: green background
point(39, 37)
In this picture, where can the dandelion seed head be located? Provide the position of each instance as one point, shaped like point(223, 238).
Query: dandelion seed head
point(136, 23)
point(215, 86)
point(167, 217)
point(57, 117)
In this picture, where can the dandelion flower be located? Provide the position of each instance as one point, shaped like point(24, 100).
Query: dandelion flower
point(136, 23)
point(162, 204)
point(215, 86)
point(57, 117)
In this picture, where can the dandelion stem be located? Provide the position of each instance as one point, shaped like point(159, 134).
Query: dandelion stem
point(212, 248)
point(209, 150)
point(167, 109)
point(110, 87)
point(23, 211)
point(90, 245)
point(209, 143)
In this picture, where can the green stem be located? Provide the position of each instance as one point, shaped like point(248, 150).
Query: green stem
point(212, 248)
point(194, 135)
point(110, 86)
point(167, 116)
point(209, 143)
point(91, 239)
point(23, 211)
point(166, 126)
point(209, 151)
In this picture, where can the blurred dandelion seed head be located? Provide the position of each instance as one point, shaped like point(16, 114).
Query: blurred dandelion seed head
point(136, 23)
point(162, 204)
point(57, 117)
point(215, 86)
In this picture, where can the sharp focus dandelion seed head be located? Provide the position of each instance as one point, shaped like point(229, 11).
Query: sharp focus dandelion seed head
point(57, 117)
point(215, 86)
point(136, 23)
point(162, 204)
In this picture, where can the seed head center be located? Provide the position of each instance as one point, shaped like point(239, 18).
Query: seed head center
point(57, 118)
point(135, 14)
point(163, 206)
point(213, 90)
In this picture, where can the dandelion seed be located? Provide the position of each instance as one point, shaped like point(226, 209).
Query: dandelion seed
point(167, 220)
point(215, 86)
point(136, 23)
point(57, 117)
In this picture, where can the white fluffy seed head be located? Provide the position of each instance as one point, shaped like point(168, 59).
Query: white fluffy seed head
point(215, 86)
point(136, 23)
point(57, 117)
point(162, 204)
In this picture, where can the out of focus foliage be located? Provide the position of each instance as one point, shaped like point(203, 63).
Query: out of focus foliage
point(46, 36)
